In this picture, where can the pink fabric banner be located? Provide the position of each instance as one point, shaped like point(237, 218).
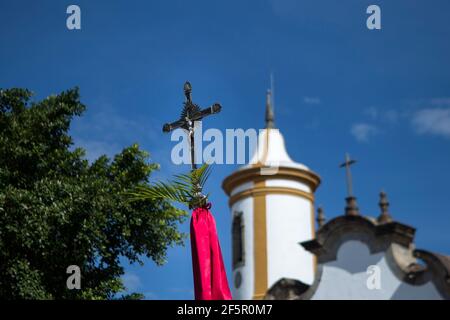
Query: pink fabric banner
point(210, 279)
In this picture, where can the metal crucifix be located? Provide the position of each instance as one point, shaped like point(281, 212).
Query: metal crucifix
point(191, 112)
point(189, 115)
point(348, 162)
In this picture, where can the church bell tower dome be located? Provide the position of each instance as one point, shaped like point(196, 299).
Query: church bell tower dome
point(272, 206)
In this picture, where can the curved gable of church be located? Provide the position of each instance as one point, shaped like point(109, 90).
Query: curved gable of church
point(360, 258)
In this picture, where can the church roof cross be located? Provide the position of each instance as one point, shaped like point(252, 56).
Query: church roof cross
point(348, 162)
point(351, 208)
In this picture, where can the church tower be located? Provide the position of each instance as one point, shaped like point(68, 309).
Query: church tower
point(272, 208)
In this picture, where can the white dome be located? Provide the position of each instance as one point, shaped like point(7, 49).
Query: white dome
point(271, 151)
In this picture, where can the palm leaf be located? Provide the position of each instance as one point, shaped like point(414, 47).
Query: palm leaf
point(205, 175)
point(184, 188)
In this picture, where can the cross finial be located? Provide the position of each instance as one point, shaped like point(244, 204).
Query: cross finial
point(348, 162)
point(270, 123)
point(320, 217)
point(385, 216)
point(351, 208)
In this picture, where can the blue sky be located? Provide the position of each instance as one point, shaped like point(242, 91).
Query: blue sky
point(382, 95)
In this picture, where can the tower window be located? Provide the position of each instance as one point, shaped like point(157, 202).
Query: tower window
point(238, 240)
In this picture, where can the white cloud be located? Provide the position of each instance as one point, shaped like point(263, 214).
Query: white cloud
point(372, 112)
point(95, 149)
point(363, 131)
point(388, 116)
point(432, 121)
point(131, 282)
point(110, 126)
point(311, 100)
point(440, 102)
point(109, 132)
point(391, 116)
point(431, 116)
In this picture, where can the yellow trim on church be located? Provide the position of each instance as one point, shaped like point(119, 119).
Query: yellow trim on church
point(260, 243)
point(258, 191)
point(253, 174)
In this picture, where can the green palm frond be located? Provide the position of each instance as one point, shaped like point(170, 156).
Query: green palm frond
point(184, 188)
point(205, 175)
point(159, 190)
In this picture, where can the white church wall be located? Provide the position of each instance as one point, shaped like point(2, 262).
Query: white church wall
point(246, 287)
point(288, 184)
point(242, 187)
point(346, 277)
point(289, 222)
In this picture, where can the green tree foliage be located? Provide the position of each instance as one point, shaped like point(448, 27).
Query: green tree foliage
point(57, 209)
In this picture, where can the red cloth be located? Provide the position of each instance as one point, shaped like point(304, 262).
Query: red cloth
point(210, 278)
